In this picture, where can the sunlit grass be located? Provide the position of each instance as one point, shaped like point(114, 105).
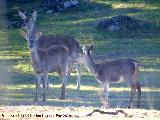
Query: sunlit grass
point(149, 69)
point(147, 64)
point(143, 6)
point(118, 96)
point(16, 87)
point(23, 67)
point(83, 88)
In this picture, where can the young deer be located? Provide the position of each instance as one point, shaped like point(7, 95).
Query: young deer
point(47, 41)
point(52, 59)
point(113, 71)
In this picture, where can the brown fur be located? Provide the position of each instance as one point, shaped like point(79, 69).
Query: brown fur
point(113, 71)
point(46, 41)
point(44, 61)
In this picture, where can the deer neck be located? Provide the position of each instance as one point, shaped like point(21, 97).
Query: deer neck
point(31, 31)
point(90, 64)
point(34, 56)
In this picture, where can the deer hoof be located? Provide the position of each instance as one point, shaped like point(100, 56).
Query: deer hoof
point(62, 98)
point(138, 106)
point(130, 106)
point(35, 100)
point(105, 105)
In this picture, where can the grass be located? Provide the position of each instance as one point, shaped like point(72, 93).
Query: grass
point(17, 79)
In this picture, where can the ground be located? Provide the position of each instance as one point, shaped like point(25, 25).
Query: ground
point(48, 113)
point(16, 75)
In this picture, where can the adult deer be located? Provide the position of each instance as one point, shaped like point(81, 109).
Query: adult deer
point(47, 41)
point(52, 59)
point(113, 71)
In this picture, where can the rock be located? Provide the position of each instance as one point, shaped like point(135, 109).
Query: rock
point(74, 2)
point(60, 5)
point(121, 23)
point(71, 3)
point(60, 9)
point(67, 4)
point(49, 11)
point(113, 28)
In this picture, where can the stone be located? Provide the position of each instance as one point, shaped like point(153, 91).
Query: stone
point(71, 3)
point(67, 4)
point(74, 2)
point(49, 11)
point(121, 23)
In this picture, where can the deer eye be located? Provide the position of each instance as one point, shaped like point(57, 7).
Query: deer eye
point(31, 20)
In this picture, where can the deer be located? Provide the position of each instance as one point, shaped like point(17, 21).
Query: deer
point(46, 41)
point(112, 71)
point(44, 61)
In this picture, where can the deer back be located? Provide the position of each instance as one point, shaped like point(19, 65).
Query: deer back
point(68, 41)
point(116, 70)
point(51, 59)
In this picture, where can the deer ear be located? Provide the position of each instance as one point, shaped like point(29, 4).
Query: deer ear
point(38, 35)
point(24, 34)
point(34, 15)
point(22, 15)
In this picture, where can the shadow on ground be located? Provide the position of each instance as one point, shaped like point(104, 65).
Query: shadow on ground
point(22, 93)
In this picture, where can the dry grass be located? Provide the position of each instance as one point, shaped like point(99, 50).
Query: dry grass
point(17, 80)
point(48, 113)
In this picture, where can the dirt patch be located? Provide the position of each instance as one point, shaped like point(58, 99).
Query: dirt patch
point(87, 113)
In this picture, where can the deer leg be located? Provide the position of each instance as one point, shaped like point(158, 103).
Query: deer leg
point(45, 77)
point(45, 82)
point(77, 66)
point(64, 72)
point(138, 86)
point(38, 80)
point(133, 90)
point(64, 82)
point(103, 95)
point(106, 87)
point(100, 94)
point(64, 76)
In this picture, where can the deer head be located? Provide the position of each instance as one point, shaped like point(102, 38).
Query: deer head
point(29, 22)
point(86, 51)
point(31, 39)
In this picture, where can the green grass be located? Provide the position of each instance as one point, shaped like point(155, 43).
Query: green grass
point(16, 76)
